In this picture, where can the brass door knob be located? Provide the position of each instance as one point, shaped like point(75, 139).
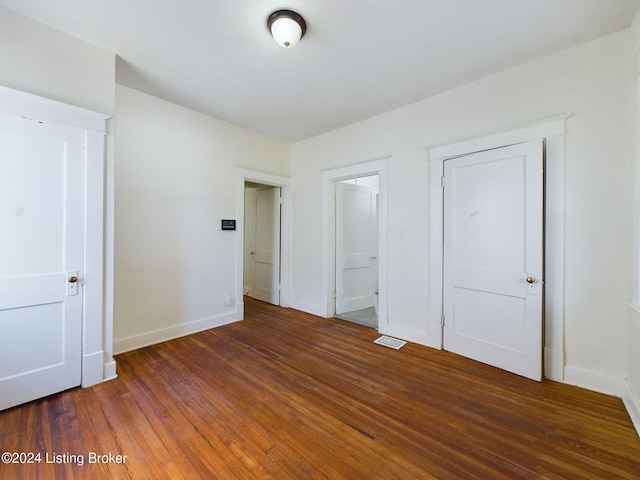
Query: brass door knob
point(73, 279)
point(531, 280)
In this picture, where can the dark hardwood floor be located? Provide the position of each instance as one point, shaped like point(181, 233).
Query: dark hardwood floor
point(286, 395)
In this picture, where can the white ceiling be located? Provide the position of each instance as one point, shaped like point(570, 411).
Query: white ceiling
point(359, 58)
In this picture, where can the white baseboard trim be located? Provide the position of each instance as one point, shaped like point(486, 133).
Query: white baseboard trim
point(109, 372)
point(240, 310)
point(92, 368)
point(383, 324)
point(631, 400)
point(134, 342)
point(554, 364)
point(596, 381)
point(437, 339)
point(307, 308)
point(414, 336)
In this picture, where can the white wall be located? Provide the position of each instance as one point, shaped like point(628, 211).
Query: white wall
point(37, 59)
point(175, 180)
point(594, 83)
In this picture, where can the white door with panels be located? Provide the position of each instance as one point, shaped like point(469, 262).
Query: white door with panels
point(42, 175)
point(266, 253)
point(493, 257)
point(356, 246)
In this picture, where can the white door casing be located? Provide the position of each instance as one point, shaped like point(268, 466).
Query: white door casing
point(42, 173)
point(266, 253)
point(249, 238)
point(493, 246)
point(356, 246)
point(244, 175)
point(329, 178)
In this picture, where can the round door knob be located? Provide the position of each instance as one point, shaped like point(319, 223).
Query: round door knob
point(73, 279)
point(530, 280)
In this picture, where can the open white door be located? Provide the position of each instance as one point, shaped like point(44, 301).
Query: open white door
point(356, 246)
point(493, 257)
point(266, 254)
point(42, 171)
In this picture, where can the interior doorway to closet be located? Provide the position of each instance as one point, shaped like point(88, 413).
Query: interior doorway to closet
point(356, 250)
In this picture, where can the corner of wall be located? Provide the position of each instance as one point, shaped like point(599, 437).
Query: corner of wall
point(631, 387)
point(631, 400)
point(595, 381)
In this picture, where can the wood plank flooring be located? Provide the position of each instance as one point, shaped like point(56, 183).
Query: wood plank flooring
point(286, 395)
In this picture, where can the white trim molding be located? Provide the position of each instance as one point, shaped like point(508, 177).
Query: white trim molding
point(42, 108)
point(247, 175)
point(553, 131)
point(596, 381)
point(631, 400)
point(97, 315)
point(541, 129)
point(135, 342)
point(378, 167)
point(109, 370)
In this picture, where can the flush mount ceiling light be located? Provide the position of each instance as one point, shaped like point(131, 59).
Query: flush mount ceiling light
point(286, 27)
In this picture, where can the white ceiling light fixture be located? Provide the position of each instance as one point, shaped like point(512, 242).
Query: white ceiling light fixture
point(286, 27)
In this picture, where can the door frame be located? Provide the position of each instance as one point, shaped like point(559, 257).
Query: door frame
point(339, 230)
point(247, 175)
point(329, 178)
point(553, 131)
point(276, 214)
point(97, 320)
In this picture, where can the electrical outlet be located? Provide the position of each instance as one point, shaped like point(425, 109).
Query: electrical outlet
point(227, 299)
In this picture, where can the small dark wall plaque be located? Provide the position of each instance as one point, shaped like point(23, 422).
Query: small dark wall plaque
point(228, 225)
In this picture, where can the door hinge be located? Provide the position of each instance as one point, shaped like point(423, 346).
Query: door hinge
point(442, 320)
point(442, 181)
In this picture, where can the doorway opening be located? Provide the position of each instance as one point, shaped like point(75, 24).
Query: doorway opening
point(356, 259)
point(262, 242)
point(330, 181)
point(246, 178)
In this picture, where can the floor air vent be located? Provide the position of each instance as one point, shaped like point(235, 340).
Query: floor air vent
point(390, 342)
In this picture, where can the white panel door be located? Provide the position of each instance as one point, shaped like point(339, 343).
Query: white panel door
point(42, 171)
point(493, 257)
point(266, 255)
point(356, 246)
